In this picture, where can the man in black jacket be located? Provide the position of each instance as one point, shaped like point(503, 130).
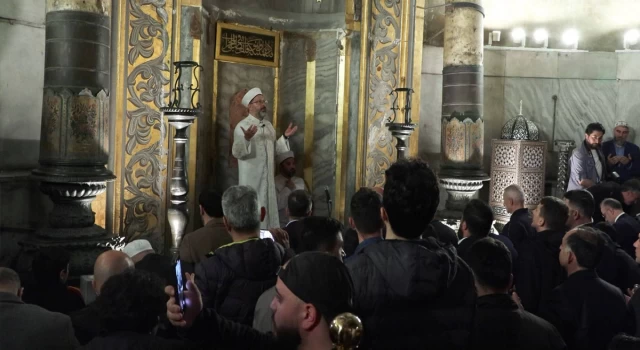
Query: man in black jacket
point(299, 206)
point(237, 274)
point(312, 289)
point(627, 193)
point(538, 268)
point(411, 293)
point(587, 311)
point(499, 322)
point(627, 228)
point(519, 226)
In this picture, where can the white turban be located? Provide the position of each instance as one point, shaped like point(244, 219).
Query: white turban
point(250, 95)
point(622, 123)
point(281, 157)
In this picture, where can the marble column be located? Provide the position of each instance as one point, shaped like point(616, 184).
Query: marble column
point(462, 137)
point(74, 141)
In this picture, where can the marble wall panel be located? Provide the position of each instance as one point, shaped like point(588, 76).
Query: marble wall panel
point(581, 102)
point(628, 67)
point(628, 108)
point(293, 75)
point(233, 77)
point(351, 145)
point(494, 62)
point(324, 132)
point(432, 60)
point(587, 65)
point(534, 64)
point(494, 117)
point(430, 115)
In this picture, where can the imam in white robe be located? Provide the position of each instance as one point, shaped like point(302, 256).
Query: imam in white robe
point(256, 165)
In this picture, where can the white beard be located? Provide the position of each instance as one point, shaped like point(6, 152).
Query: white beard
point(262, 114)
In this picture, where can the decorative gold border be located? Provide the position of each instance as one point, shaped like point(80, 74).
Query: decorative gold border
point(309, 110)
point(276, 89)
point(342, 132)
point(276, 50)
point(417, 77)
point(214, 116)
point(363, 96)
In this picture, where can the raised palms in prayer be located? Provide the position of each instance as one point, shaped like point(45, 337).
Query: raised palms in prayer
point(249, 133)
point(290, 130)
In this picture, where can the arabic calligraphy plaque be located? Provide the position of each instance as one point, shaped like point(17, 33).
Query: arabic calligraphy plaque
point(236, 43)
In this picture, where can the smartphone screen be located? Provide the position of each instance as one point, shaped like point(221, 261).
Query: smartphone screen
point(266, 234)
point(180, 285)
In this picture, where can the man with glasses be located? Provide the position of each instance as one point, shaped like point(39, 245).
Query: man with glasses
point(587, 163)
point(253, 146)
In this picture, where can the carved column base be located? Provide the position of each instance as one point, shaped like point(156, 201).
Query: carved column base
point(460, 191)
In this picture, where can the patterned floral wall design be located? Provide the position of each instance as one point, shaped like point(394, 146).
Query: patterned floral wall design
point(75, 127)
point(383, 72)
point(516, 162)
point(143, 199)
point(462, 145)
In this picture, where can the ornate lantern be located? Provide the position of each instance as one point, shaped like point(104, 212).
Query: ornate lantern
point(401, 131)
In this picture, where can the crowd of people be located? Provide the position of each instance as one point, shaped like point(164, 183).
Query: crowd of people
point(554, 278)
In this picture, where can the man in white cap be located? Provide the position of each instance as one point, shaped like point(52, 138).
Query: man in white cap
point(253, 146)
point(146, 259)
point(286, 182)
point(621, 155)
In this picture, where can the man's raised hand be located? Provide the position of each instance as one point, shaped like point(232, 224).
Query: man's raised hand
point(193, 298)
point(249, 133)
point(290, 130)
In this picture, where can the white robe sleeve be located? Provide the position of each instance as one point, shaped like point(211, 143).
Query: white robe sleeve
point(241, 148)
point(282, 145)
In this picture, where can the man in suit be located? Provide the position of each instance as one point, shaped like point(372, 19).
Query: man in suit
point(587, 163)
point(196, 245)
point(499, 322)
point(623, 157)
point(627, 228)
point(299, 206)
point(586, 310)
point(25, 326)
point(519, 226)
point(538, 268)
point(627, 193)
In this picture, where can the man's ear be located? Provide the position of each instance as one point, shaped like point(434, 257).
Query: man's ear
point(311, 317)
point(263, 213)
point(201, 210)
point(20, 292)
point(352, 224)
point(226, 224)
point(383, 214)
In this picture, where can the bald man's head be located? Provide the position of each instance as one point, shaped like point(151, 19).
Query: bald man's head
point(9, 281)
point(109, 263)
point(513, 198)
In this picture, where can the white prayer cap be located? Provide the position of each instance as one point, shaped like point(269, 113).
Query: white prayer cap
point(250, 95)
point(136, 247)
point(283, 156)
point(621, 123)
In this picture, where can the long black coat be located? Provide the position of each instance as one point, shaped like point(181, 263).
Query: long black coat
point(232, 280)
point(412, 294)
point(499, 324)
point(587, 311)
point(519, 227)
point(627, 230)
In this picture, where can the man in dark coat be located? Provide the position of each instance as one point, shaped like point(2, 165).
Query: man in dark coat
point(623, 157)
point(443, 233)
point(411, 293)
point(365, 218)
point(299, 206)
point(237, 274)
point(519, 226)
point(538, 268)
point(627, 193)
point(499, 322)
point(586, 310)
point(627, 228)
point(476, 222)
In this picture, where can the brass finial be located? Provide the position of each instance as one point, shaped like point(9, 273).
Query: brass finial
point(346, 331)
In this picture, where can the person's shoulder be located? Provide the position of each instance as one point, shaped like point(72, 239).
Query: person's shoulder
point(579, 152)
point(44, 315)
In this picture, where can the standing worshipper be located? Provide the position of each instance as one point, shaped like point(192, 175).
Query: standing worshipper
point(621, 155)
point(587, 164)
point(253, 146)
point(286, 183)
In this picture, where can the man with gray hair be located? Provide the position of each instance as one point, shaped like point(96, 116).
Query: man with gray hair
point(519, 226)
point(235, 276)
point(627, 228)
point(623, 157)
point(26, 326)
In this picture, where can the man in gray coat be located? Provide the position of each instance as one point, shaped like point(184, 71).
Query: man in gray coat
point(587, 164)
point(26, 326)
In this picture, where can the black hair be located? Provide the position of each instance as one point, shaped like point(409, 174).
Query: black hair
point(48, 263)
point(365, 210)
point(587, 245)
point(554, 212)
point(490, 261)
point(631, 185)
point(320, 233)
point(131, 301)
point(299, 203)
point(624, 342)
point(411, 197)
point(211, 202)
point(582, 200)
point(594, 127)
point(479, 217)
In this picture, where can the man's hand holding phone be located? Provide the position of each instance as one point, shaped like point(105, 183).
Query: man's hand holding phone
point(184, 317)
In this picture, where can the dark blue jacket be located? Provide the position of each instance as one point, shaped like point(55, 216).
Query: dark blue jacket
point(628, 171)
